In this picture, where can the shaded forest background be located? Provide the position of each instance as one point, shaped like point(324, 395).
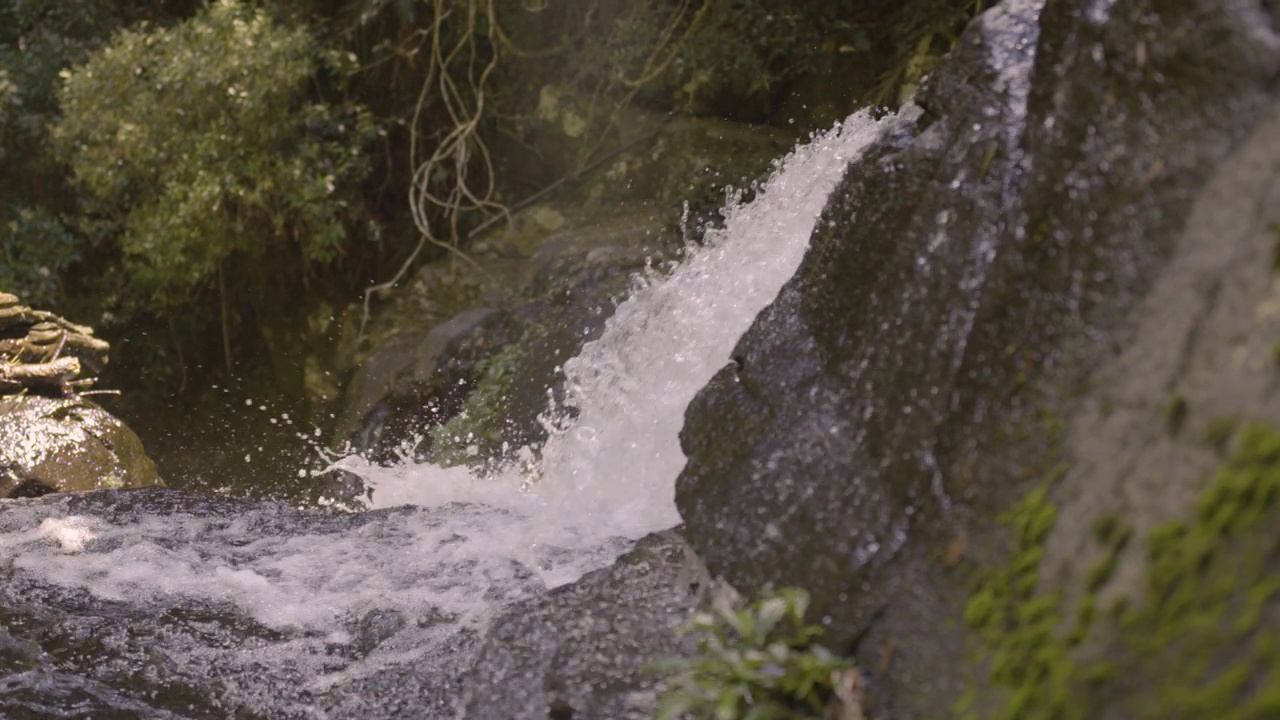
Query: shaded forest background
point(189, 176)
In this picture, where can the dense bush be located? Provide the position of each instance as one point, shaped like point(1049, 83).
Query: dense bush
point(222, 148)
point(37, 40)
point(200, 143)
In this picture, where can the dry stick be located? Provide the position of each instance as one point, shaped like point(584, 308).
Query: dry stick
point(50, 375)
point(454, 144)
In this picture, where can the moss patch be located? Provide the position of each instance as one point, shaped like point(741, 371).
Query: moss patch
point(1175, 414)
point(477, 431)
point(1219, 433)
point(1204, 642)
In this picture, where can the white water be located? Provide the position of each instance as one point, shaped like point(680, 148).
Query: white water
point(479, 542)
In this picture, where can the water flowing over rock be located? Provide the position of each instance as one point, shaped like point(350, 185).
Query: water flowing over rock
point(1079, 178)
point(968, 272)
point(221, 606)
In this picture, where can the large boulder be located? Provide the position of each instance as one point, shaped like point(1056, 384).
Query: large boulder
point(67, 444)
point(51, 438)
point(589, 649)
point(910, 380)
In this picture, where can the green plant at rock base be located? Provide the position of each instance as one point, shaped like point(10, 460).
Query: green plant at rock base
point(758, 663)
point(1175, 414)
point(1217, 435)
point(1202, 642)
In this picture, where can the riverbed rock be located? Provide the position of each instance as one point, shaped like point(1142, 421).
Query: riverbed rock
point(911, 380)
point(51, 438)
point(161, 603)
point(589, 649)
point(67, 444)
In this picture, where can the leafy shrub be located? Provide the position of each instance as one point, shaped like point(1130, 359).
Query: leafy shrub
point(759, 663)
point(35, 249)
point(199, 142)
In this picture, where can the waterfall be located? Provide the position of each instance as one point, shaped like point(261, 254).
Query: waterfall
point(469, 544)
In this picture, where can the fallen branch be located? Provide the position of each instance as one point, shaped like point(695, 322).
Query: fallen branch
point(54, 376)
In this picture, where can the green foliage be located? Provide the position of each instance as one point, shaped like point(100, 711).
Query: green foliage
point(33, 268)
point(1202, 643)
point(1219, 432)
point(758, 663)
point(477, 429)
point(745, 48)
point(37, 40)
point(1175, 414)
point(920, 34)
point(199, 142)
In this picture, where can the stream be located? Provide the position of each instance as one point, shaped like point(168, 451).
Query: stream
point(162, 604)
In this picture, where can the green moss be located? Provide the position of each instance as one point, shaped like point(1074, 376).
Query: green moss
point(1100, 572)
point(1201, 643)
point(1175, 414)
point(1275, 248)
point(1106, 407)
point(478, 429)
point(1217, 436)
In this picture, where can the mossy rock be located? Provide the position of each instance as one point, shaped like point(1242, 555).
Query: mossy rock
point(1203, 641)
point(67, 445)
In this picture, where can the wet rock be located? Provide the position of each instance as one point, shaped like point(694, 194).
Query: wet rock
point(420, 375)
point(903, 386)
point(146, 640)
point(414, 375)
point(584, 651)
point(162, 604)
point(67, 445)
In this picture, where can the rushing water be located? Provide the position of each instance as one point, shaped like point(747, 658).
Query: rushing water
point(315, 588)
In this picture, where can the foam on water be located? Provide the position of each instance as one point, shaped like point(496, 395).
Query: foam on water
point(611, 470)
point(473, 544)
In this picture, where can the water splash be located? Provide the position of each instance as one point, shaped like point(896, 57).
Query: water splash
point(611, 470)
point(472, 544)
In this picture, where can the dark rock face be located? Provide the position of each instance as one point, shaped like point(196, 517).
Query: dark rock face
point(421, 377)
point(965, 272)
point(67, 444)
point(583, 651)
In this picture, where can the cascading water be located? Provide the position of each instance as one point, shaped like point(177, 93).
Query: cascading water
point(332, 601)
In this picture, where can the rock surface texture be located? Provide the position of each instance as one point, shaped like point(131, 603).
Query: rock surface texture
point(51, 438)
point(67, 444)
point(912, 377)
